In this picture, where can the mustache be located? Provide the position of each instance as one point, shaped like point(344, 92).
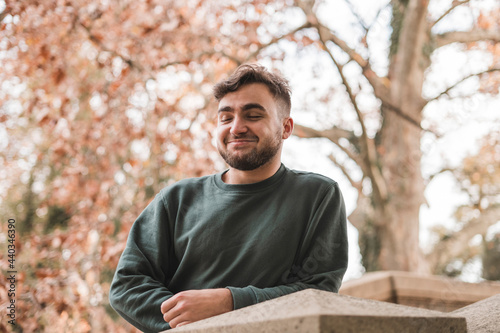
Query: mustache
point(241, 137)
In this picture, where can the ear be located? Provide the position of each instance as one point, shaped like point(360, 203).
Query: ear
point(287, 127)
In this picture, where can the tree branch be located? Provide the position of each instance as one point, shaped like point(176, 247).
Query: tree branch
point(103, 47)
point(474, 35)
point(454, 5)
point(356, 14)
point(376, 17)
point(445, 92)
point(355, 184)
point(277, 39)
point(333, 134)
point(406, 117)
point(443, 170)
point(370, 156)
point(380, 85)
point(5, 12)
point(198, 56)
point(233, 58)
point(363, 212)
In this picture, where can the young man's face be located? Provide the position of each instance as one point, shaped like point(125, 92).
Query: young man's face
point(249, 131)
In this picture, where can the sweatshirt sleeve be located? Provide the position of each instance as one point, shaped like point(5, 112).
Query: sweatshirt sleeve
point(321, 260)
point(138, 287)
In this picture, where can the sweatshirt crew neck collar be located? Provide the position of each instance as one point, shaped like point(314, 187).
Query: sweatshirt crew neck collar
point(253, 187)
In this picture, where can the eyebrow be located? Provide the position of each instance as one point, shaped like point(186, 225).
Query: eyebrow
point(245, 107)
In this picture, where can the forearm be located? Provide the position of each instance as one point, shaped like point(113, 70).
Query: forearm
point(250, 295)
point(138, 299)
point(193, 305)
point(146, 318)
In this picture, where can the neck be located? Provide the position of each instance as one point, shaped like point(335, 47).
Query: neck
point(235, 176)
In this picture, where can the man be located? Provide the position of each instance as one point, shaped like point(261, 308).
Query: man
point(257, 231)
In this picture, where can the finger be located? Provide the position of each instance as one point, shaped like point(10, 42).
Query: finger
point(171, 315)
point(178, 321)
point(183, 323)
point(168, 304)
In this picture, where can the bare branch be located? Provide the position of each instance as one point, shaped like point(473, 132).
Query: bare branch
point(380, 85)
point(233, 58)
point(103, 47)
point(333, 134)
point(352, 96)
point(355, 184)
point(356, 14)
point(199, 55)
point(455, 5)
point(277, 39)
point(445, 92)
point(363, 211)
point(400, 113)
point(326, 34)
point(376, 17)
point(443, 170)
point(369, 158)
point(350, 93)
point(474, 35)
point(4, 13)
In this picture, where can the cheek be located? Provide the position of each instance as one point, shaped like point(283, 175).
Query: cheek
point(221, 132)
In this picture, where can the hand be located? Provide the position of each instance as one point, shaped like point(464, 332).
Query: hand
point(193, 305)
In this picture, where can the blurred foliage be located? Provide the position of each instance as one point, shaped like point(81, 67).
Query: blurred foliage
point(105, 103)
point(476, 238)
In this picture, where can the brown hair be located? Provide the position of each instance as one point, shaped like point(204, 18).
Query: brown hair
point(254, 73)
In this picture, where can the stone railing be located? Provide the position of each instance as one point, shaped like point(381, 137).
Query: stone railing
point(318, 311)
point(423, 291)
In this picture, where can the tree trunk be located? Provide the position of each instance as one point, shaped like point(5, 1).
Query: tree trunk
point(398, 221)
point(393, 230)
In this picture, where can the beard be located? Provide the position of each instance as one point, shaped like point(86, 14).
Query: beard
point(256, 157)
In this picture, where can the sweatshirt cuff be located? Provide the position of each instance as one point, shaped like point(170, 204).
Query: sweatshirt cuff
point(242, 297)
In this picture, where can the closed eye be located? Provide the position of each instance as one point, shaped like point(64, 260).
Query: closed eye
point(225, 118)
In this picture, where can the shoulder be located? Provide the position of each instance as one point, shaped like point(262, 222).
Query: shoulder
point(313, 186)
point(310, 179)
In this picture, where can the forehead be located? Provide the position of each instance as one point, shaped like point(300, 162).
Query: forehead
point(249, 93)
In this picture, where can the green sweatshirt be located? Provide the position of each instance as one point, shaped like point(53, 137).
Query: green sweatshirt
point(261, 241)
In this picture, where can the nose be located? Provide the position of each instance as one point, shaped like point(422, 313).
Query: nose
point(238, 126)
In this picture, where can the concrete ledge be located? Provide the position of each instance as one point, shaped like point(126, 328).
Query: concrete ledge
point(425, 291)
point(483, 316)
point(321, 311)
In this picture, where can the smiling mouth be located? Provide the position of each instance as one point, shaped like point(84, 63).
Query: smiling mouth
point(241, 142)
